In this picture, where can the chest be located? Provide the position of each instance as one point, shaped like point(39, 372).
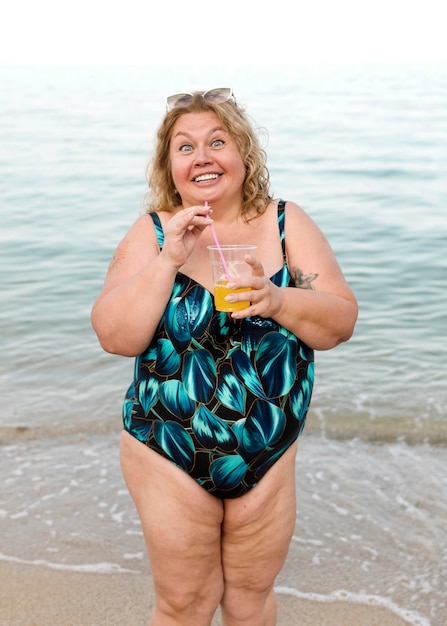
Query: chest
point(264, 234)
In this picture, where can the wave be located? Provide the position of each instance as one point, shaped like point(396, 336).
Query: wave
point(87, 568)
point(345, 596)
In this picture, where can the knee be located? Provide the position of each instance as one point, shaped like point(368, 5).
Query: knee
point(189, 606)
point(249, 604)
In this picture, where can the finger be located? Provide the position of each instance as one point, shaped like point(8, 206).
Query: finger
point(197, 210)
point(244, 313)
point(197, 229)
point(255, 264)
point(198, 218)
point(240, 296)
point(188, 218)
point(251, 283)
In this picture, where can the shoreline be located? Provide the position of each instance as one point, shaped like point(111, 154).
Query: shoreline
point(433, 434)
point(34, 595)
point(73, 551)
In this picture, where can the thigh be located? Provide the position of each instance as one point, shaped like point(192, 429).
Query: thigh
point(258, 527)
point(181, 522)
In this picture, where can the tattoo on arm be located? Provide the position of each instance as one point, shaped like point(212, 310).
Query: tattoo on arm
point(303, 281)
point(119, 254)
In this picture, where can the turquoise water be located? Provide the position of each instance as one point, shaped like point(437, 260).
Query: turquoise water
point(364, 150)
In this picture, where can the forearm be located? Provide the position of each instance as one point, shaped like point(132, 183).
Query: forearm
point(321, 320)
point(126, 317)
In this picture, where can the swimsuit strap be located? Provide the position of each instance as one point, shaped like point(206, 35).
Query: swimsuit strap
point(158, 229)
point(281, 217)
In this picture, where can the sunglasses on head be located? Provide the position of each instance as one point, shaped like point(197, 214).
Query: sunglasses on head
point(218, 96)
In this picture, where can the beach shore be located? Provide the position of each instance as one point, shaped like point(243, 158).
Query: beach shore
point(33, 595)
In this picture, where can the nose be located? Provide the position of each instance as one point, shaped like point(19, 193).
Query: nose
point(202, 156)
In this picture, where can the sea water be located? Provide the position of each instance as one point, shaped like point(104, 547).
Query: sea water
point(364, 150)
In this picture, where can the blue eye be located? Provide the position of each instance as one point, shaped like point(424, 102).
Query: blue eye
point(185, 148)
point(217, 143)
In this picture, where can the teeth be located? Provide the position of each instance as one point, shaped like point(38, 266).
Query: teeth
point(199, 179)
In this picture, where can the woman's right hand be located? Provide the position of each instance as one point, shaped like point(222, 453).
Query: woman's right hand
point(181, 233)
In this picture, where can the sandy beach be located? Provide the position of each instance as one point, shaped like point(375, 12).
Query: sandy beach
point(72, 551)
point(32, 595)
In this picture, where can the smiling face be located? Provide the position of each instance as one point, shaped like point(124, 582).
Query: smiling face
point(205, 161)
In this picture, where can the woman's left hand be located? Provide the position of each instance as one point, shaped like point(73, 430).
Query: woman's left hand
point(265, 296)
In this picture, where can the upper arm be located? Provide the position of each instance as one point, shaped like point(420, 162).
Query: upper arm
point(137, 248)
point(312, 262)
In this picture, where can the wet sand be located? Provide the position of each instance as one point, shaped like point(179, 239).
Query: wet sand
point(33, 595)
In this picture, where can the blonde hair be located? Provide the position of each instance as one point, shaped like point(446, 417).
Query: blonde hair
point(163, 195)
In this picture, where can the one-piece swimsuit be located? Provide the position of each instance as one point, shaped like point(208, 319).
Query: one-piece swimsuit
point(222, 399)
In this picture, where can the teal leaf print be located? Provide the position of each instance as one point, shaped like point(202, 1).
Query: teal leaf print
point(311, 373)
point(148, 393)
point(306, 353)
point(276, 364)
point(252, 331)
point(245, 371)
point(177, 288)
point(128, 406)
point(271, 460)
point(199, 375)
point(282, 277)
point(137, 365)
point(141, 429)
point(263, 427)
point(188, 316)
point(220, 327)
point(168, 360)
point(198, 309)
point(175, 442)
point(176, 325)
point(211, 431)
point(150, 354)
point(238, 428)
point(227, 472)
point(174, 397)
point(158, 230)
point(301, 394)
point(230, 391)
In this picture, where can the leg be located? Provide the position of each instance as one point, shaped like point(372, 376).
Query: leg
point(256, 535)
point(181, 524)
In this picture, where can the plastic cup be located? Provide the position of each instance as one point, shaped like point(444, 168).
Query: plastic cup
point(236, 267)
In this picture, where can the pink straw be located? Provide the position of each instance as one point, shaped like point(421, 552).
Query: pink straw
point(216, 241)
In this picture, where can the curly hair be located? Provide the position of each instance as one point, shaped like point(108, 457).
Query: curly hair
point(163, 195)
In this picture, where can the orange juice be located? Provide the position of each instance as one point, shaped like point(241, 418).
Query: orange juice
point(221, 291)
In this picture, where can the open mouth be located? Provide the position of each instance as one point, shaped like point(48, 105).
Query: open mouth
point(205, 177)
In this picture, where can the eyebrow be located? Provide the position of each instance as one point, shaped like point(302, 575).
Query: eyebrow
point(213, 130)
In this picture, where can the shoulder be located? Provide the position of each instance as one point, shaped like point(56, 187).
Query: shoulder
point(305, 241)
point(297, 221)
point(135, 249)
point(142, 231)
point(293, 210)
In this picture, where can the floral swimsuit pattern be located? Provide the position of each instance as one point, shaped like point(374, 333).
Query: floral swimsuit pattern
point(223, 399)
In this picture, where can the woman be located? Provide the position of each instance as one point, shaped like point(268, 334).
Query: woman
point(218, 400)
